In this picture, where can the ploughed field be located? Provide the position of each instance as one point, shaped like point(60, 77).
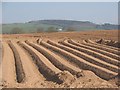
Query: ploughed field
point(58, 60)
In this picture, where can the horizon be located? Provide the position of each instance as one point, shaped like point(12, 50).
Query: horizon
point(58, 19)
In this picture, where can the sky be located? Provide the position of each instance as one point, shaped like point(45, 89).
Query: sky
point(96, 12)
point(0, 13)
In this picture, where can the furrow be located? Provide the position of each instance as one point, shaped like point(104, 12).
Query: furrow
point(30, 70)
point(1, 50)
point(103, 48)
point(43, 64)
point(95, 54)
point(19, 68)
point(101, 72)
point(56, 60)
point(103, 45)
point(83, 55)
point(114, 56)
point(0, 74)
point(8, 65)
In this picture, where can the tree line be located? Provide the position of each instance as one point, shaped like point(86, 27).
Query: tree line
point(17, 30)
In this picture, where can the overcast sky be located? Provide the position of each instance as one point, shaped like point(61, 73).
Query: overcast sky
point(97, 12)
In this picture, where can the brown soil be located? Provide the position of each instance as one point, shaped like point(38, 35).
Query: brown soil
point(60, 60)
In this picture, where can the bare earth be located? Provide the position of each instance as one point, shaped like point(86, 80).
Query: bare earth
point(59, 60)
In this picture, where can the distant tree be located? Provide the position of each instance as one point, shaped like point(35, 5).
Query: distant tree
point(69, 29)
point(40, 29)
point(16, 30)
point(51, 29)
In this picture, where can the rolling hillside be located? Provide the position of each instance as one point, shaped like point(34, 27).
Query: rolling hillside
point(47, 25)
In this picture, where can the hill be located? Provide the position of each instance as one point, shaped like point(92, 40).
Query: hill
point(54, 25)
